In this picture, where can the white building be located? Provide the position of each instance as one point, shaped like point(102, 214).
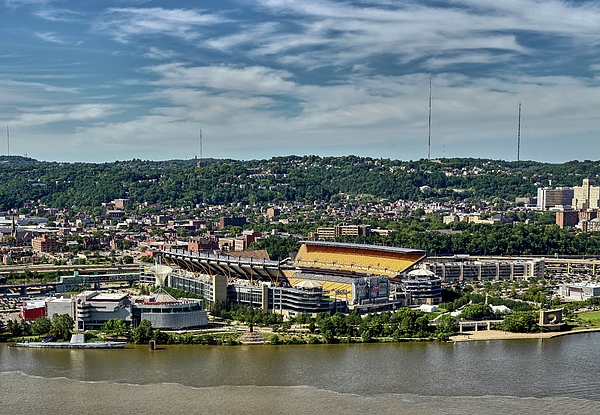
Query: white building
point(579, 291)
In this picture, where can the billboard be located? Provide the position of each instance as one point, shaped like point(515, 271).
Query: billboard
point(370, 289)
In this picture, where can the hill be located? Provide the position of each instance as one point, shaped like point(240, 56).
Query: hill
point(292, 178)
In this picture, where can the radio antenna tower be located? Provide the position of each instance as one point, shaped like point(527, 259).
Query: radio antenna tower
point(519, 136)
point(7, 141)
point(429, 125)
point(200, 137)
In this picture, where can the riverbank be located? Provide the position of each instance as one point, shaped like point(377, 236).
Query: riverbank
point(505, 335)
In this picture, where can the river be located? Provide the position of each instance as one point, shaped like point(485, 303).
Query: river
point(553, 376)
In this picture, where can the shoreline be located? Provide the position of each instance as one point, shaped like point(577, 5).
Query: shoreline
point(483, 335)
point(467, 336)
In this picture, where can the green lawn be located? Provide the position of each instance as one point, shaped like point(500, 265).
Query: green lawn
point(592, 318)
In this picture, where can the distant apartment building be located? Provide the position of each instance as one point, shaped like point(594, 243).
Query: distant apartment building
point(231, 221)
point(115, 213)
point(587, 214)
point(383, 232)
point(198, 223)
point(567, 218)
point(162, 219)
point(120, 203)
point(451, 218)
point(343, 230)
point(44, 243)
point(586, 196)
point(272, 212)
point(548, 197)
point(203, 243)
point(227, 244)
point(239, 242)
point(527, 201)
point(592, 225)
point(497, 218)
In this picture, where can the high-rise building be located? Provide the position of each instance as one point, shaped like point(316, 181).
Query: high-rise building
point(548, 197)
point(586, 196)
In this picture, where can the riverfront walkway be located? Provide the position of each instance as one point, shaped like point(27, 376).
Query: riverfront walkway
point(506, 335)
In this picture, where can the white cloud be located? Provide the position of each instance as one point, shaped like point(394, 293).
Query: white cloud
point(160, 54)
point(256, 79)
point(125, 23)
point(54, 14)
point(345, 33)
point(33, 86)
point(16, 3)
point(52, 114)
point(439, 62)
point(49, 37)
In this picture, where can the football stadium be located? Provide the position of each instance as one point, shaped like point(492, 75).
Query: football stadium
point(322, 277)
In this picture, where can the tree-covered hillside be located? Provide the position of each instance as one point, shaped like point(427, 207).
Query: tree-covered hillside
point(291, 178)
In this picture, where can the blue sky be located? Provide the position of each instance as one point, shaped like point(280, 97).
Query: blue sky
point(104, 80)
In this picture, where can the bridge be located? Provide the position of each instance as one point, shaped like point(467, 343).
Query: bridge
point(69, 281)
point(21, 288)
point(96, 280)
point(7, 269)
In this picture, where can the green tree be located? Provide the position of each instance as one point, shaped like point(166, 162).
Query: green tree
point(142, 333)
point(40, 326)
point(115, 327)
point(366, 335)
point(474, 311)
point(446, 327)
point(161, 337)
point(520, 322)
point(329, 337)
point(17, 327)
point(61, 326)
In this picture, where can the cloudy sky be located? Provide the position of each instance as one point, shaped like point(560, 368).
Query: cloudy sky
point(104, 80)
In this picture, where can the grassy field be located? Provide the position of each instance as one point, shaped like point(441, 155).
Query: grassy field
point(592, 318)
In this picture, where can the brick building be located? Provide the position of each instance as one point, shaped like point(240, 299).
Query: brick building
point(44, 243)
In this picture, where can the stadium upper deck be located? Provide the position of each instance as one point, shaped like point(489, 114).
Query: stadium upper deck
point(356, 258)
point(233, 267)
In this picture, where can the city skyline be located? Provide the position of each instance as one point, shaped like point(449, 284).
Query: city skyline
point(111, 80)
